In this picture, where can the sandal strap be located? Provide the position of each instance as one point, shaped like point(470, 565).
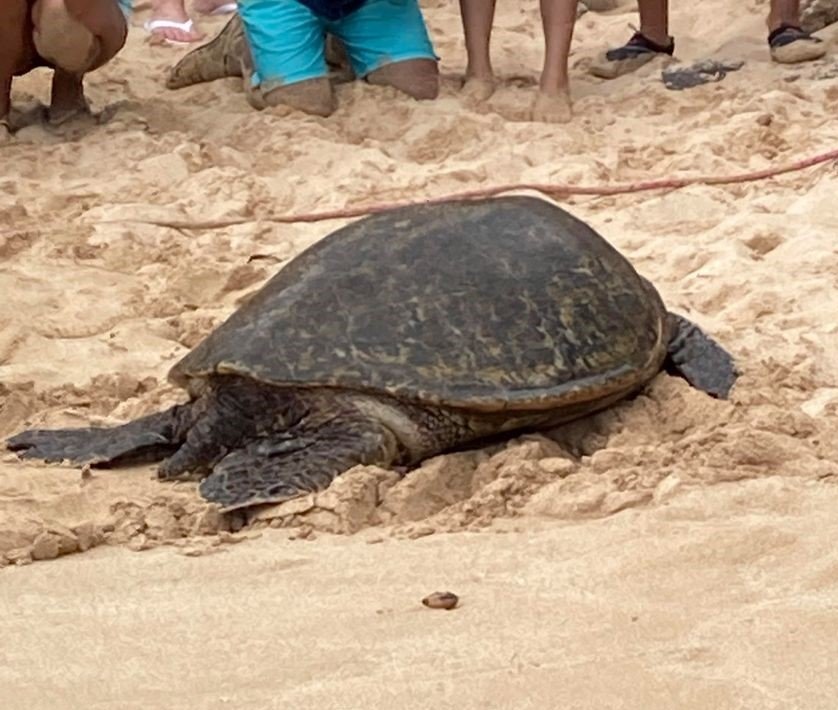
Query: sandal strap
point(152, 25)
point(638, 45)
point(786, 34)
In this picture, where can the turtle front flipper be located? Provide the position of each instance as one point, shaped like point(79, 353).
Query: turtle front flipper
point(699, 359)
point(149, 438)
point(304, 459)
point(224, 56)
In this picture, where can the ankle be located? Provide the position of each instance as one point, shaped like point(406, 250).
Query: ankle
point(554, 85)
point(658, 35)
point(479, 68)
point(776, 23)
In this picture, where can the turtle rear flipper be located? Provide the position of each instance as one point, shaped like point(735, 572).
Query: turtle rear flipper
point(149, 438)
point(302, 460)
point(699, 359)
point(224, 56)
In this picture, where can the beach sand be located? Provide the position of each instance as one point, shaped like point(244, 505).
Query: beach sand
point(673, 552)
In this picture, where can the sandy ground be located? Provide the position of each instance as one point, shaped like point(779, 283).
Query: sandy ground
point(672, 552)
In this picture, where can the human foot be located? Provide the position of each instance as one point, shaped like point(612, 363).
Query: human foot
point(631, 56)
point(790, 45)
point(478, 88)
point(552, 107)
point(170, 23)
point(223, 56)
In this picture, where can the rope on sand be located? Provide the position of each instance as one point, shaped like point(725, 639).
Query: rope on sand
point(550, 190)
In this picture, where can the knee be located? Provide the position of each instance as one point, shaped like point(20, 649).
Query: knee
point(65, 38)
point(418, 78)
point(425, 86)
point(60, 38)
point(314, 96)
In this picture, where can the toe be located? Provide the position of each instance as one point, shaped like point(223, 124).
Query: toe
point(549, 108)
point(175, 35)
point(478, 89)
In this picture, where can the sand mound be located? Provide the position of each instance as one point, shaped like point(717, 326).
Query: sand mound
point(666, 442)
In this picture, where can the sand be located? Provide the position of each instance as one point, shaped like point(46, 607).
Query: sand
point(675, 551)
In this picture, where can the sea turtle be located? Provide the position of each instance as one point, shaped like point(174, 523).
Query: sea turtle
point(406, 334)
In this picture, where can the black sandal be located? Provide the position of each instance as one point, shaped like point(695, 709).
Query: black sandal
point(637, 46)
point(632, 55)
point(786, 34)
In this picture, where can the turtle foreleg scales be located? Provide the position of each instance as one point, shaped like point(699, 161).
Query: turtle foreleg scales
point(305, 458)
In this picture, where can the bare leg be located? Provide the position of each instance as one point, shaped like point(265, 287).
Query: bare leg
point(14, 52)
point(61, 39)
point(80, 18)
point(5, 100)
point(654, 20)
point(553, 101)
point(418, 78)
point(313, 96)
point(67, 98)
point(478, 16)
point(74, 37)
point(783, 12)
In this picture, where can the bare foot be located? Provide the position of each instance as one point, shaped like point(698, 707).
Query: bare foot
point(171, 12)
point(552, 108)
point(478, 88)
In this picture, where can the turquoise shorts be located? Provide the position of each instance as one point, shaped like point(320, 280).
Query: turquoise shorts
point(287, 39)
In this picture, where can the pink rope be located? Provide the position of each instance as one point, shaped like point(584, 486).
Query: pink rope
point(559, 190)
point(551, 190)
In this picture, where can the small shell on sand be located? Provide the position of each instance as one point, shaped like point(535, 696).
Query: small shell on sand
point(441, 600)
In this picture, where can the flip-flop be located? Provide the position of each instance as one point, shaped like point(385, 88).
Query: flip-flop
point(228, 8)
point(703, 72)
point(151, 25)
